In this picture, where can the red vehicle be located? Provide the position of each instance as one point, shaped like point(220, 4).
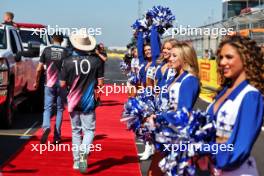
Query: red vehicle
point(17, 70)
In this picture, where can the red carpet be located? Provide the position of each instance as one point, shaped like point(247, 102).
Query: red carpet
point(117, 158)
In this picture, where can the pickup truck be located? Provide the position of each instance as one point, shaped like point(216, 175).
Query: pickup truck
point(17, 73)
point(38, 33)
point(34, 32)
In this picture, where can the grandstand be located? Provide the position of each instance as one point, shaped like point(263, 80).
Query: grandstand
point(248, 24)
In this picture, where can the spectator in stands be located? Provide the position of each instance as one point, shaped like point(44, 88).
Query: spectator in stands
point(211, 54)
point(262, 48)
point(206, 54)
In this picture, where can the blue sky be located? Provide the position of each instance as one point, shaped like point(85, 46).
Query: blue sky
point(114, 16)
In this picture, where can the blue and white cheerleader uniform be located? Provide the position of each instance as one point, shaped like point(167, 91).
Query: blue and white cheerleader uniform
point(181, 92)
point(135, 64)
point(158, 75)
point(238, 119)
point(184, 92)
point(162, 78)
point(142, 73)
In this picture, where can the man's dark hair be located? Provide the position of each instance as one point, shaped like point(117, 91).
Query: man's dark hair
point(57, 36)
point(133, 49)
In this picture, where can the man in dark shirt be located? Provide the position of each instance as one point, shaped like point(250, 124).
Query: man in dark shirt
point(52, 58)
point(82, 74)
point(100, 51)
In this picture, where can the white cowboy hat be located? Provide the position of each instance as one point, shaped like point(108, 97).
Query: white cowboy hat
point(82, 41)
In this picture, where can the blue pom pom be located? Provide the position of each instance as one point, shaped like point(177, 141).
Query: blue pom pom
point(162, 17)
point(133, 78)
point(182, 127)
point(159, 16)
point(123, 67)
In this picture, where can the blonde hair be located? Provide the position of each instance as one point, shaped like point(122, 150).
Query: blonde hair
point(189, 57)
point(171, 41)
point(10, 15)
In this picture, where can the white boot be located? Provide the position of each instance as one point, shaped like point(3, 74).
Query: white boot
point(149, 151)
point(145, 150)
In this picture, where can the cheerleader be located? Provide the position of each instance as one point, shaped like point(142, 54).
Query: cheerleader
point(133, 81)
point(146, 76)
point(141, 71)
point(162, 74)
point(135, 61)
point(238, 108)
point(183, 89)
point(147, 81)
point(162, 70)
